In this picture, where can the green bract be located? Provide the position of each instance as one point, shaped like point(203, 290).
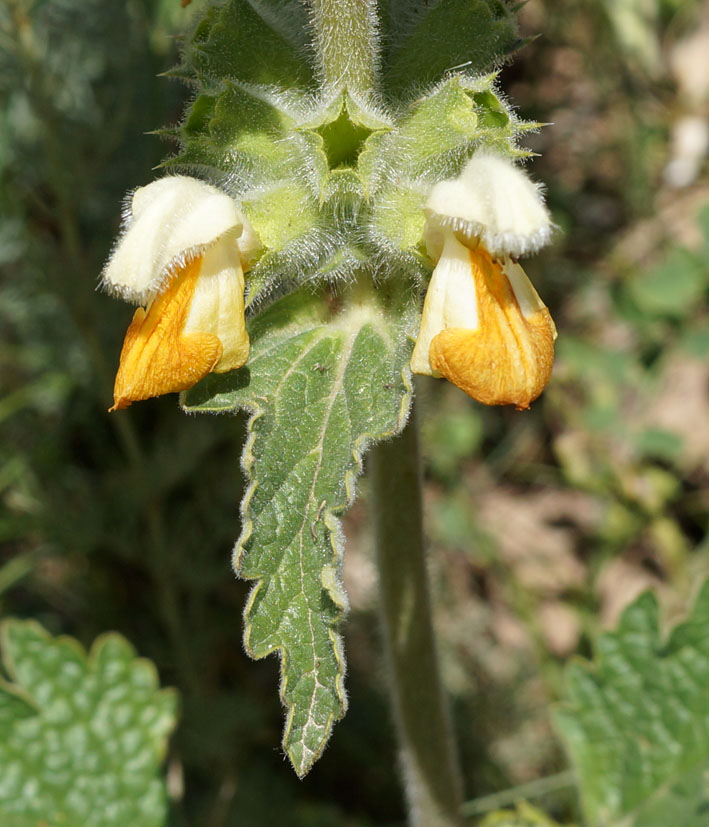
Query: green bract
point(329, 122)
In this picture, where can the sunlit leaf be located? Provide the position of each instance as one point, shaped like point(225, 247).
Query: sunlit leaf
point(320, 386)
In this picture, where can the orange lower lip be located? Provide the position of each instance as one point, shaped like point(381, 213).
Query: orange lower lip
point(507, 359)
point(156, 357)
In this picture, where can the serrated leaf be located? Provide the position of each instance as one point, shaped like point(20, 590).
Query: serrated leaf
point(320, 388)
point(434, 37)
point(636, 722)
point(81, 737)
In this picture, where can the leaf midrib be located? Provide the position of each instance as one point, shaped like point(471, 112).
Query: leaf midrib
point(337, 387)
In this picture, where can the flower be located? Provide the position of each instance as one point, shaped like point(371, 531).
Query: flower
point(483, 326)
point(181, 256)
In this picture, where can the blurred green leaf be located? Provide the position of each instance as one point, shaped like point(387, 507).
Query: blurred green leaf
point(695, 341)
point(636, 721)
point(703, 219)
point(673, 287)
point(658, 443)
point(81, 737)
point(451, 436)
point(588, 358)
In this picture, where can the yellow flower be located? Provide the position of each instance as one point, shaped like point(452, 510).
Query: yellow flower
point(483, 326)
point(181, 257)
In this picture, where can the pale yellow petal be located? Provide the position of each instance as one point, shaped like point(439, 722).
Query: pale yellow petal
point(450, 302)
point(527, 297)
point(218, 305)
point(492, 200)
point(171, 221)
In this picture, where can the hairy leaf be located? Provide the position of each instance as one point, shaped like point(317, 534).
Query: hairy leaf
point(81, 737)
point(442, 124)
point(433, 37)
point(320, 385)
point(636, 723)
point(256, 41)
point(238, 133)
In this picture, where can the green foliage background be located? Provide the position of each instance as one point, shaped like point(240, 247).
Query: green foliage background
point(542, 525)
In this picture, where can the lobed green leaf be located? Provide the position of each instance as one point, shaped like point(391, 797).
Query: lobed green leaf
point(81, 737)
point(636, 722)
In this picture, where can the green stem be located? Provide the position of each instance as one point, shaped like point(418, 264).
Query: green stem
point(532, 789)
point(347, 43)
point(428, 761)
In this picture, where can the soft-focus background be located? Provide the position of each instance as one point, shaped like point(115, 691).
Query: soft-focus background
point(542, 525)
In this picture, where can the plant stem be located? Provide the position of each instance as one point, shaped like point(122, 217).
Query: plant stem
point(428, 761)
point(347, 44)
point(532, 789)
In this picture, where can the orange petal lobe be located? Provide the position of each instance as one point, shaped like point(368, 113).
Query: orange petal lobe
point(507, 359)
point(156, 357)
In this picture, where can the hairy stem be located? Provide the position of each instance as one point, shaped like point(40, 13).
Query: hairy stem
point(347, 43)
point(427, 754)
